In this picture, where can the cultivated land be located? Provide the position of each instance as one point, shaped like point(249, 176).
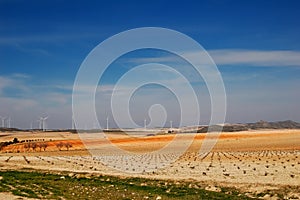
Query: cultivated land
point(257, 164)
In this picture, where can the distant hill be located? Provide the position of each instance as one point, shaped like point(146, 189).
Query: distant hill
point(288, 124)
point(8, 129)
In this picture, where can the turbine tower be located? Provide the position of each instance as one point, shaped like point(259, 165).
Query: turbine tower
point(73, 123)
point(145, 124)
point(9, 122)
point(3, 121)
point(107, 123)
point(42, 121)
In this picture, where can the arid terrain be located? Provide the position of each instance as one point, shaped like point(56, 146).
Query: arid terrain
point(264, 162)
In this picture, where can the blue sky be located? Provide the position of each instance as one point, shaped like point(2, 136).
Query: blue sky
point(255, 44)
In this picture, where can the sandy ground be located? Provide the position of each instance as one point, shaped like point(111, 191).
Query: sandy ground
point(9, 196)
point(251, 160)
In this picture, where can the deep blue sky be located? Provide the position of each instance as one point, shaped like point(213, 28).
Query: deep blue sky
point(42, 44)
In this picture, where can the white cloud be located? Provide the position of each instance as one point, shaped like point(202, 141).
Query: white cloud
point(16, 40)
point(4, 82)
point(14, 82)
point(23, 101)
point(255, 57)
point(235, 57)
point(21, 76)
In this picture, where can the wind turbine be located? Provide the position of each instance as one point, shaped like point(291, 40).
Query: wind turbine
point(9, 122)
point(107, 123)
point(94, 125)
point(42, 121)
point(73, 123)
point(3, 121)
point(45, 125)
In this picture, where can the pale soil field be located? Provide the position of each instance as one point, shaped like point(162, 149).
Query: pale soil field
point(253, 161)
point(9, 196)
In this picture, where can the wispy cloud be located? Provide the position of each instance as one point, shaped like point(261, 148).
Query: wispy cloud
point(31, 50)
point(240, 57)
point(255, 57)
point(21, 75)
point(8, 40)
point(19, 86)
point(4, 83)
point(13, 82)
point(24, 101)
point(68, 34)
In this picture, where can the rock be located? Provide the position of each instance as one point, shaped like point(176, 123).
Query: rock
point(212, 188)
point(88, 176)
point(292, 195)
point(267, 196)
point(158, 197)
point(79, 176)
point(71, 174)
point(62, 177)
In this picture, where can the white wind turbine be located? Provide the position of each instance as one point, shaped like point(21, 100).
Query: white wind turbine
point(73, 123)
point(42, 121)
point(107, 123)
point(9, 122)
point(3, 121)
point(145, 124)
